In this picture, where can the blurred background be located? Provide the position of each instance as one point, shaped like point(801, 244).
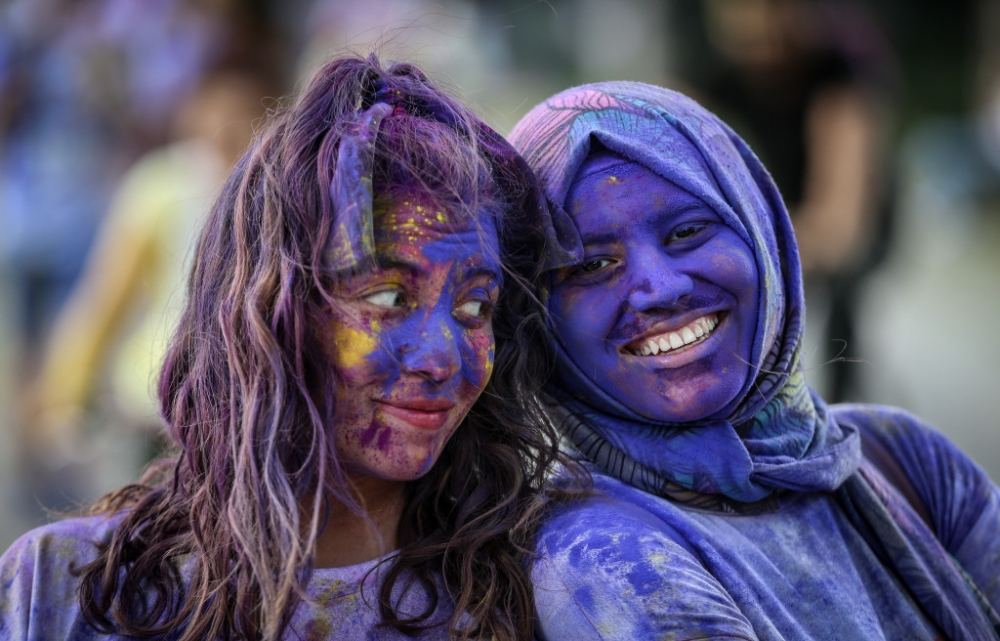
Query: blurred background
point(119, 119)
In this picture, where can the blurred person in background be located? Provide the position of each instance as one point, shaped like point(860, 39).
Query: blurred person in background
point(810, 84)
point(88, 87)
point(343, 387)
point(109, 340)
point(945, 264)
point(66, 136)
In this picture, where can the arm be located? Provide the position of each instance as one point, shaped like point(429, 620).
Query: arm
point(840, 191)
point(87, 328)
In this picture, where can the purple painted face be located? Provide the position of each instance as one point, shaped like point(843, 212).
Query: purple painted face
point(413, 339)
point(661, 315)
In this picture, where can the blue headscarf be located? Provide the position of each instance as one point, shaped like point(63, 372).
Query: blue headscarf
point(776, 433)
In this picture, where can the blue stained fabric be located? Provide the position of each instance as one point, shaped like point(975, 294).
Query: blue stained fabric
point(820, 545)
point(627, 564)
point(38, 595)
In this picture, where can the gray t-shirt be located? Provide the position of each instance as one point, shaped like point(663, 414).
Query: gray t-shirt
point(38, 594)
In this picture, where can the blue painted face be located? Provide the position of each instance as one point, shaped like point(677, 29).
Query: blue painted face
point(413, 339)
point(662, 313)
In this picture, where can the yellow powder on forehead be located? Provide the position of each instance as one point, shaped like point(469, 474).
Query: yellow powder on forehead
point(352, 346)
point(612, 180)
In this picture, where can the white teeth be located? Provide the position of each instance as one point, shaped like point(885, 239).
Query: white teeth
point(692, 333)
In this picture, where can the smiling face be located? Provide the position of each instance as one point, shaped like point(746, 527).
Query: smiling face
point(661, 314)
point(413, 339)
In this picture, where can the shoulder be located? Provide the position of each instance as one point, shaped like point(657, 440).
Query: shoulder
point(914, 443)
point(38, 596)
point(63, 542)
point(609, 568)
point(954, 490)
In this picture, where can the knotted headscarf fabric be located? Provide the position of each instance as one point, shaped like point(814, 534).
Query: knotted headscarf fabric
point(776, 433)
point(351, 241)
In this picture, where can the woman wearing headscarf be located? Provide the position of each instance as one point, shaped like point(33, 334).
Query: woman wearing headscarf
point(731, 502)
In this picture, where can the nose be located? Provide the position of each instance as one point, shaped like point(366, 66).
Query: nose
point(656, 281)
point(432, 350)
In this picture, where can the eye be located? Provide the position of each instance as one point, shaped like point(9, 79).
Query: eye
point(686, 232)
point(390, 298)
point(474, 308)
point(595, 265)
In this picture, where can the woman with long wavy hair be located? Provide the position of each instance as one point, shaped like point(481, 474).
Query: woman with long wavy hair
point(336, 474)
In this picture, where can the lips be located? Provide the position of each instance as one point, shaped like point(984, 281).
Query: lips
point(422, 413)
point(675, 340)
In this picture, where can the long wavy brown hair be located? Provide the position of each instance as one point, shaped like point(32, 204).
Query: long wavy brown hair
point(251, 403)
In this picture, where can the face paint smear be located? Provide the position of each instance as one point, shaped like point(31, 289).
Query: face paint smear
point(412, 340)
point(662, 313)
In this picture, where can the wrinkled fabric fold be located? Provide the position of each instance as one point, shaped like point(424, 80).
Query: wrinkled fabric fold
point(898, 537)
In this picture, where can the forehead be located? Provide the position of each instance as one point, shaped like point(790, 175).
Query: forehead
point(413, 228)
point(618, 195)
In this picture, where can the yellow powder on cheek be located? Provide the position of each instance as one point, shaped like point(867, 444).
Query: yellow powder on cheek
point(352, 346)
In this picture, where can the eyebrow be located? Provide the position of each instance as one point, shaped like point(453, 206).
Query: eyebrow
point(605, 238)
point(609, 237)
point(493, 274)
point(406, 266)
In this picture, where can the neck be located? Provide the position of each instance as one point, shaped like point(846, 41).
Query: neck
point(350, 538)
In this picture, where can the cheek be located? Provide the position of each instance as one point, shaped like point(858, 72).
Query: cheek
point(360, 351)
point(734, 267)
point(352, 347)
point(477, 358)
point(581, 314)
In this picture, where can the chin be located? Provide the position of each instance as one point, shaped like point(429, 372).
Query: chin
point(694, 400)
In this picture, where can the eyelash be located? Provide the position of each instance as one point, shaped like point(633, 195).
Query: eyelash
point(584, 269)
point(685, 232)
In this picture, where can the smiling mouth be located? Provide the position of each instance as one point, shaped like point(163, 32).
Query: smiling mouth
point(695, 332)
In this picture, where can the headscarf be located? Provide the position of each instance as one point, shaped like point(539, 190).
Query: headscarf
point(777, 434)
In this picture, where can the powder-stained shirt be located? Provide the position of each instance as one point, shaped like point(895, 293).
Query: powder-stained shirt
point(627, 564)
point(38, 594)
